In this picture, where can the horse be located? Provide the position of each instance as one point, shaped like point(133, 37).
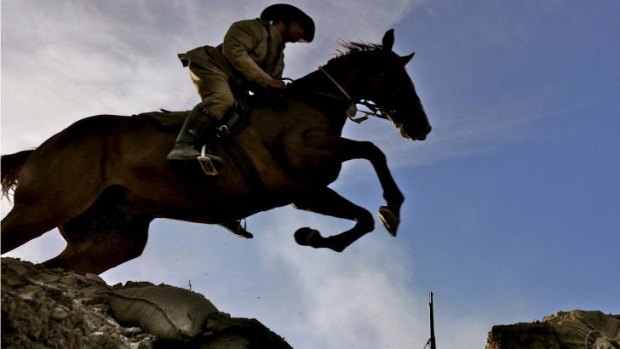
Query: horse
point(102, 180)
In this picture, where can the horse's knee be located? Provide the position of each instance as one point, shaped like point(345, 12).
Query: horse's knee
point(374, 153)
point(365, 221)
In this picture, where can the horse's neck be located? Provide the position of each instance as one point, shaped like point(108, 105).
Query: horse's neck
point(344, 78)
point(317, 91)
point(328, 83)
point(311, 82)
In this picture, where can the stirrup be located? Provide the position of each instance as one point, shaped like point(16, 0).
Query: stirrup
point(207, 162)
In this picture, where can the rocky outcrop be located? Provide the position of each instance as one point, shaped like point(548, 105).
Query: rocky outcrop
point(50, 308)
point(574, 329)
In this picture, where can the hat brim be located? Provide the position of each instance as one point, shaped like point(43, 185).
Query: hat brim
point(291, 13)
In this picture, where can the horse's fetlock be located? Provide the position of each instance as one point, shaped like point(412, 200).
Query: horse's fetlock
point(399, 198)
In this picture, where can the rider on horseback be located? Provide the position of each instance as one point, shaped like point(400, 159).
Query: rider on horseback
point(251, 54)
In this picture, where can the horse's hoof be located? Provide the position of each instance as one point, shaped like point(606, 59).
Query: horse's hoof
point(307, 236)
point(244, 234)
point(389, 219)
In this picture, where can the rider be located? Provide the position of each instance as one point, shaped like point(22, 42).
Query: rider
point(252, 52)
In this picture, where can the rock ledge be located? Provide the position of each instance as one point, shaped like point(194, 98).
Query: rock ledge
point(576, 329)
point(50, 308)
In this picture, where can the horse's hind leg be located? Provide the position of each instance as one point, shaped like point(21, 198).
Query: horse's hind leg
point(102, 250)
point(101, 238)
point(23, 224)
point(328, 202)
point(33, 214)
point(43, 201)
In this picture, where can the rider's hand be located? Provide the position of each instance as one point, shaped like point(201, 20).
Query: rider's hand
point(276, 84)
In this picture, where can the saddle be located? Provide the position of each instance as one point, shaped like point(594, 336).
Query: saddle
point(235, 120)
point(232, 124)
point(171, 121)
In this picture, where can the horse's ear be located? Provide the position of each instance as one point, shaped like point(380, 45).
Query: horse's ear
point(406, 59)
point(388, 40)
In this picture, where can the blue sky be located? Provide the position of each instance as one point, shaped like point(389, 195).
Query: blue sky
point(512, 208)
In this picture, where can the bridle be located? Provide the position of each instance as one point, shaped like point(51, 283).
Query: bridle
point(373, 109)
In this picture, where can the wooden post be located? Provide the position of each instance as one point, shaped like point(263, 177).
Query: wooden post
point(432, 322)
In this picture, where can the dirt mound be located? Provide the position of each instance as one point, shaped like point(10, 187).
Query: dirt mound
point(50, 308)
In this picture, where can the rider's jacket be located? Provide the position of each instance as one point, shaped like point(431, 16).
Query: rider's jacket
point(252, 51)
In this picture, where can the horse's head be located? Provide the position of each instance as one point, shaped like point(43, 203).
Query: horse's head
point(380, 76)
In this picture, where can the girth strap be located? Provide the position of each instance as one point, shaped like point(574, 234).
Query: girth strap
point(244, 163)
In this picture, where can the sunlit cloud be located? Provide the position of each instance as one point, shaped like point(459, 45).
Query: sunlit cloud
point(353, 299)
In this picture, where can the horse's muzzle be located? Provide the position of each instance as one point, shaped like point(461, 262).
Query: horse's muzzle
point(420, 136)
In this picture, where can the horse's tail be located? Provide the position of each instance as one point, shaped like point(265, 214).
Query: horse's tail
point(11, 165)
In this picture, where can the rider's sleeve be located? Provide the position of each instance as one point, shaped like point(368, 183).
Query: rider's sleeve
point(242, 38)
point(279, 68)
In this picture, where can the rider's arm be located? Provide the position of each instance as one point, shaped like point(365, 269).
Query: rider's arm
point(241, 40)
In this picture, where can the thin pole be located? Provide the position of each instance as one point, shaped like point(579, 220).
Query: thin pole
point(432, 320)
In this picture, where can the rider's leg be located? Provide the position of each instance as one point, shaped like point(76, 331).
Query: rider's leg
point(213, 87)
point(200, 125)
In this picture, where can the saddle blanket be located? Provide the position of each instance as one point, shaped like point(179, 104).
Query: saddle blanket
point(166, 120)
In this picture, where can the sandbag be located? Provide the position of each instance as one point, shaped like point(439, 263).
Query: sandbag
point(170, 313)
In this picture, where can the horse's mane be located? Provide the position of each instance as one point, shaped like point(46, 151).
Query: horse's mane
point(350, 48)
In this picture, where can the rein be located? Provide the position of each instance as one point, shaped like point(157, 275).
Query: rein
point(344, 92)
point(373, 109)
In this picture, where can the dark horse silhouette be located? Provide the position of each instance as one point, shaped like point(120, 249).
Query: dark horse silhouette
point(102, 180)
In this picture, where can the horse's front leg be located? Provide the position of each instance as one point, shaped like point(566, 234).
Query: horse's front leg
point(390, 214)
point(328, 202)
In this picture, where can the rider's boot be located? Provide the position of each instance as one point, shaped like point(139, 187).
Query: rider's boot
point(200, 122)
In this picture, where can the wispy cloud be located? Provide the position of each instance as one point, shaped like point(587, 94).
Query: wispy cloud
point(356, 299)
point(70, 59)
